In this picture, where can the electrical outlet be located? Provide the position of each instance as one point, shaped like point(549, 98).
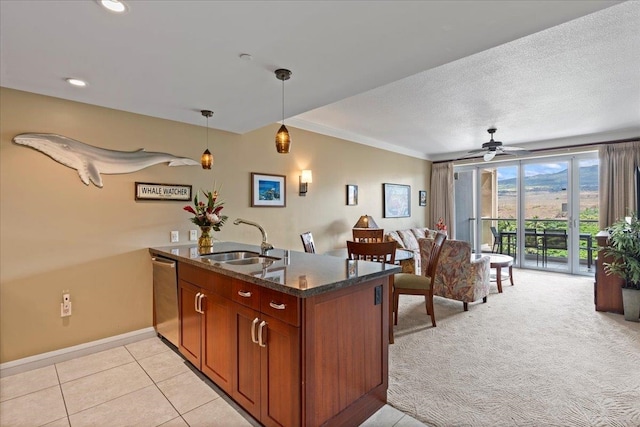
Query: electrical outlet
point(175, 237)
point(193, 235)
point(65, 305)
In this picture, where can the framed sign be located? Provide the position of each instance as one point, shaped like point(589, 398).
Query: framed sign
point(397, 200)
point(352, 195)
point(268, 190)
point(171, 192)
point(422, 198)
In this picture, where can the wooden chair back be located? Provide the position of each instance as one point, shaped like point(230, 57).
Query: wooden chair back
point(434, 256)
point(365, 235)
point(384, 252)
point(307, 242)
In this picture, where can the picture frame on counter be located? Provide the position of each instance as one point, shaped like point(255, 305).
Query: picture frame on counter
point(164, 192)
point(268, 190)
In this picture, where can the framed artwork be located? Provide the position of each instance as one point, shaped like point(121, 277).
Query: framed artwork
point(422, 198)
point(352, 195)
point(396, 201)
point(268, 190)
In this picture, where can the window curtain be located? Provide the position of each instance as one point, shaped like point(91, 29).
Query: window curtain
point(617, 181)
point(442, 196)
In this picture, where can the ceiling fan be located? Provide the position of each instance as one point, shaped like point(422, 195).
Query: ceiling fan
point(491, 148)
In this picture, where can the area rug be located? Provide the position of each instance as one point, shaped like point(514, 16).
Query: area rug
point(537, 354)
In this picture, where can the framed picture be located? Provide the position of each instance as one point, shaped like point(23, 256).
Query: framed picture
point(422, 198)
point(352, 195)
point(397, 200)
point(268, 190)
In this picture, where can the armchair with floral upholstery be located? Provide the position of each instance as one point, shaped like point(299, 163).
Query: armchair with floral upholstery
point(458, 276)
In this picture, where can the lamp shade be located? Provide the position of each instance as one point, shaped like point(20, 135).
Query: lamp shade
point(366, 221)
point(307, 176)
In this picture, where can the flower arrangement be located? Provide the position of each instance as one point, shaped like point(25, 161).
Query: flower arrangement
point(440, 225)
point(207, 214)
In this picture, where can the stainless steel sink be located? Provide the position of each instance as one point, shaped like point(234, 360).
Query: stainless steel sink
point(255, 260)
point(231, 256)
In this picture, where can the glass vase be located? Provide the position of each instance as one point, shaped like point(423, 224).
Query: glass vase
point(205, 242)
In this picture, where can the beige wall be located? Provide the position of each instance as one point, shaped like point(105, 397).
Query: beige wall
point(58, 234)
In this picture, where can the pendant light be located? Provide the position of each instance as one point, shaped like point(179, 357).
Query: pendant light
point(207, 158)
point(283, 140)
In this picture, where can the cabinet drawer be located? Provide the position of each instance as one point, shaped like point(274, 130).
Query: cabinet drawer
point(281, 306)
point(246, 293)
point(206, 279)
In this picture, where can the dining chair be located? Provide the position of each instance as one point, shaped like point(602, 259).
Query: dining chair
point(497, 239)
point(532, 240)
point(553, 239)
point(307, 242)
point(413, 284)
point(368, 235)
point(377, 252)
point(384, 252)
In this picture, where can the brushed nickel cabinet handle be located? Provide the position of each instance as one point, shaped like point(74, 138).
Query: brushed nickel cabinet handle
point(260, 328)
point(195, 302)
point(200, 303)
point(253, 330)
point(277, 306)
point(244, 294)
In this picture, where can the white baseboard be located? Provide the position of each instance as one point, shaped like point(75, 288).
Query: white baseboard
point(57, 356)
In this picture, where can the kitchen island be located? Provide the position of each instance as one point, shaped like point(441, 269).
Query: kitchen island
point(294, 338)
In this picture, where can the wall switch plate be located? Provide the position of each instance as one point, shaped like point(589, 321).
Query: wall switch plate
point(193, 235)
point(175, 237)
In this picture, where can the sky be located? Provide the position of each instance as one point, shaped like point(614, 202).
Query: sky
point(508, 172)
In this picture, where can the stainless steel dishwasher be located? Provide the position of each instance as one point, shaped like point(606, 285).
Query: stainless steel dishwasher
point(165, 299)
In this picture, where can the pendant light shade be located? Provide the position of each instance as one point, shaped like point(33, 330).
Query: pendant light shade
point(283, 140)
point(206, 160)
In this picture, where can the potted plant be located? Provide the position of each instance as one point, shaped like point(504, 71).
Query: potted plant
point(624, 250)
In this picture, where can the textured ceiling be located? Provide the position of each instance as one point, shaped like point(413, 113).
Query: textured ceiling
point(424, 78)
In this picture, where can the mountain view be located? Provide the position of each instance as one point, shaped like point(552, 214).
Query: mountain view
point(551, 181)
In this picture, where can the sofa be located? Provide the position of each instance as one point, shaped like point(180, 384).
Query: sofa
point(408, 239)
point(458, 276)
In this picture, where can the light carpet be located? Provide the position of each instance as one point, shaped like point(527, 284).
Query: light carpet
point(536, 355)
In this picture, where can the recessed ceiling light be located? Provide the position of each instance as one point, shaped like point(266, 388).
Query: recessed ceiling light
point(76, 82)
point(113, 5)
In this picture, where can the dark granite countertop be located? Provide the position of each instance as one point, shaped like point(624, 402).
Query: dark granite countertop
point(301, 274)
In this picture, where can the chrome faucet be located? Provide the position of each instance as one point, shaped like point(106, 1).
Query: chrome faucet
point(264, 246)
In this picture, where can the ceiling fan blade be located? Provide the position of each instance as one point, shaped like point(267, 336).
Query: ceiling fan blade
point(516, 151)
point(508, 148)
point(481, 150)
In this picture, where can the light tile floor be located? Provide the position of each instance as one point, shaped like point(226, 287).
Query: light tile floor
point(145, 383)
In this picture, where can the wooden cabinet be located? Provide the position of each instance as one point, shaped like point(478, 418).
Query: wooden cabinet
point(607, 288)
point(267, 380)
point(206, 326)
point(289, 361)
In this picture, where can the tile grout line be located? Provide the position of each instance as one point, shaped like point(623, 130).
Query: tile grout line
point(64, 401)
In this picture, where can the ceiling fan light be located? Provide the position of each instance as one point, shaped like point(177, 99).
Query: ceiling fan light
point(489, 156)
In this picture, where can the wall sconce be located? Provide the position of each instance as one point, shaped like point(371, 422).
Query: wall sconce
point(366, 221)
point(206, 160)
point(305, 179)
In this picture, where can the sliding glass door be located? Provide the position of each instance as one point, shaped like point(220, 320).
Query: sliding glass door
point(543, 212)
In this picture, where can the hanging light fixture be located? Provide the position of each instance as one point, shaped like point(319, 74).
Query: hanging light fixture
point(283, 140)
point(207, 158)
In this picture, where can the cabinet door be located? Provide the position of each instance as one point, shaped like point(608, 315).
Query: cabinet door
point(217, 338)
point(190, 321)
point(280, 373)
point(246, 354)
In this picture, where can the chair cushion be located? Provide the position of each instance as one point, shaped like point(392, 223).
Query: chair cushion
point(409, 239)
point(420, 233)
point(411, 281)
point(393, 236)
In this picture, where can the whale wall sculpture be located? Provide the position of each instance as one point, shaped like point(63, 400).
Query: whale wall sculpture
point(90, 161)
